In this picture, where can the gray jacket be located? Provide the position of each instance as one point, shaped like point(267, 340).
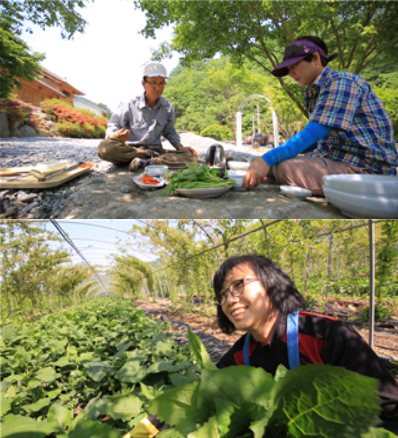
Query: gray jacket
point(146, 125)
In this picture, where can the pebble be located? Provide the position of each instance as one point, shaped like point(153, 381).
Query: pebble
point(29, 151)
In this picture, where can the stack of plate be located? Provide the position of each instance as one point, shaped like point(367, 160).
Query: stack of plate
point(363, 196)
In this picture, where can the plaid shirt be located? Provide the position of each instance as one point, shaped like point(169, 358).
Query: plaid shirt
point(362, 131)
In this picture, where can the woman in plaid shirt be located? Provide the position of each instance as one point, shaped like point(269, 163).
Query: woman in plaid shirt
point(349, 130)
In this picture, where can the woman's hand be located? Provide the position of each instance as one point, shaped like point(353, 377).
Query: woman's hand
point(257, 171)
point(188, 149)
point(122, 135)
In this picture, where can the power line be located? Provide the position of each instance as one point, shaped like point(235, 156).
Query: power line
point(70, 242)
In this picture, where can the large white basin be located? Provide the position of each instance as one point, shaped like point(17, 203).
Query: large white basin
point(382, 185)
point(360, 206)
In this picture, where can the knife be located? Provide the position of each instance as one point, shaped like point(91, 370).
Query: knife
point(43, 176)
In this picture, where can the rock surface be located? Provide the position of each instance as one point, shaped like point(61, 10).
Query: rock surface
point(4, 127)
point(99, 195)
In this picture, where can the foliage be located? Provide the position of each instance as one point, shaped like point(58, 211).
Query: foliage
point(211, 92)
point(17, 110)
point(248, 402)
point(33, 277)
point(389, 97)
point(104, 356)
point(61, 13)
point(363, 33)
point(380, 313)
point(387, 257)
point(16, 61)
point(218, 132)
point(74, 122)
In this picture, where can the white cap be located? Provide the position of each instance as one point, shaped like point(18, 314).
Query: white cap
point(154, 69)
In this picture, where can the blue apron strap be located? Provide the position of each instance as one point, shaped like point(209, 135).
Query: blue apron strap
point(246, 358)
point(292, 339)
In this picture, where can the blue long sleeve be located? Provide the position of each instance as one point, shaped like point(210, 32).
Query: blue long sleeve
point(303, 141)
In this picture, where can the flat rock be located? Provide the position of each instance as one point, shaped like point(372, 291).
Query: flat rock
point(100, 197)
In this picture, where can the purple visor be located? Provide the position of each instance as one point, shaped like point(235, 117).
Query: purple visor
point(295, 53)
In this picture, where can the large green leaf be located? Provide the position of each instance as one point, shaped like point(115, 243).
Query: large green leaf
point(121, 407)
point(378, 433)
point(208, 430)
point(179, 407)
point(17, 426)
point(93, 429)
point(325, 401)
point(62, 362)
point(131, 372)
point(200, 352)
point(238, 385)
point(168, 366)
point(8, 333)
point(170, 433)
point(160, 344)
point(60, 414)
point(36, 407)
point(46, 375)
point(5, 405)
point(97, 370)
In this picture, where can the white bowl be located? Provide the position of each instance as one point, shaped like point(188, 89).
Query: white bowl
point(295, 192)
point(238, 165)
point(358, 206)
point(238, 176)
point(373, 185)
point(50, 166)
point(156, 170)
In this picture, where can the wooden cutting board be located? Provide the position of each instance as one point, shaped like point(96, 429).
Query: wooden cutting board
point(30, 182)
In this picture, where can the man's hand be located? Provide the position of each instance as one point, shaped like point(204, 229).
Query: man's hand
point(188, 149)
point(257, 171)
point(121, 134)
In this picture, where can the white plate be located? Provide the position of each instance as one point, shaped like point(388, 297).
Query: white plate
point(363, 206)
point(142, 185)
point(295, 192)
point(50, 166)
point(203, 193)
point(381, 185)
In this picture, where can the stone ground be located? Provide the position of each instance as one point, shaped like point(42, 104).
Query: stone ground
point(98, 195)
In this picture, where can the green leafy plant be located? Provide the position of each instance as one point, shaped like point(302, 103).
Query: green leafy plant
point(242, 401)
point(381, 312)
point(218, 132)
point(195, 177)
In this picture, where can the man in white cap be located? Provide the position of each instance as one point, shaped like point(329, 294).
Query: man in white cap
point(134, 130)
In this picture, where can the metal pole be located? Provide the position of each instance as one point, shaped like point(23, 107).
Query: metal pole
point(258, 118)
point(372, 259)
point(238, 129)
point(329, 270)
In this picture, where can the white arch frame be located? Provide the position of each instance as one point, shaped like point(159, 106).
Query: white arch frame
point(239, 120)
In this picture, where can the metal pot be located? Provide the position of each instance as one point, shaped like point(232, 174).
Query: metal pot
point(216, 158)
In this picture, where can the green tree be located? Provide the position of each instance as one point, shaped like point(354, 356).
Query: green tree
point(16, 60)
point(363, 33)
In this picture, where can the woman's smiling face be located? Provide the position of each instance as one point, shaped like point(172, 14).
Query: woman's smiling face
point(251, 310)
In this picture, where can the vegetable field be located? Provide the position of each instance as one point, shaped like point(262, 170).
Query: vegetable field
point(99, 368)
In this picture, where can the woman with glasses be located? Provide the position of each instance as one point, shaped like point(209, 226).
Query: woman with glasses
point(349, 130)
point(255, 296)
point(134, 132)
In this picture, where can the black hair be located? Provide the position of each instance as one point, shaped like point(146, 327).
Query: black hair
point(320, 43)
point(280, 289)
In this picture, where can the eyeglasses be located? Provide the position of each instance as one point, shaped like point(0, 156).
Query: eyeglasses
point(154, 84)
point(236, 289)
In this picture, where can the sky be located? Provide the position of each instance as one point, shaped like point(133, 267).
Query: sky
point(97, 243)
point(107, 60)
